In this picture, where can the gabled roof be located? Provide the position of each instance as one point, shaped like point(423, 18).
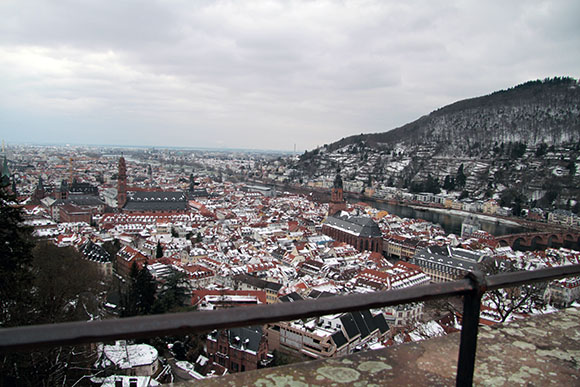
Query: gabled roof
point(94, 252)
point(84, 200)
point(381, 323)
point(339, 339)
point(155, 201)
point(291, 297)
point(357, 225)
point(258, 282)
point(244, 338)
point(316, 294)
point(369, 320)
point(361, 324)
point(349, 326)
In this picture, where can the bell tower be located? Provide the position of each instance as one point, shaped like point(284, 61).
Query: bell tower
point(122, 183)
point(337, 202)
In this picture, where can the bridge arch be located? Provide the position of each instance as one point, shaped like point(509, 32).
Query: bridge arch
point(519, 242)
point(536, 240)
point(503, 243)
point(554, 239)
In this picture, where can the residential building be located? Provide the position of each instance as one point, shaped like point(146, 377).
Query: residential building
point(238, 349)
point(128, 359)
point(445, 263)
point(561, 216)
point(248, 282)
point(125, 259)
point(563, 292)
point(329, 336)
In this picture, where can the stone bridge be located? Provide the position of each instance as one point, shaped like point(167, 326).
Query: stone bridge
point(532, 239)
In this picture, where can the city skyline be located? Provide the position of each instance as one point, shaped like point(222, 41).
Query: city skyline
point(262, 75)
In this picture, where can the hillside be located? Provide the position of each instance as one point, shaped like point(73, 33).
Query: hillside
point(521, 143)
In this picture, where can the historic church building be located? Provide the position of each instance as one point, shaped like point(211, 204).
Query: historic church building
point(359, 231)
point(131, 199)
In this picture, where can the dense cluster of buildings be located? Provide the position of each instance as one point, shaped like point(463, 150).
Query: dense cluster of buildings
point(241, 244)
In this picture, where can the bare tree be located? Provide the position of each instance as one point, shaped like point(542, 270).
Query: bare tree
point(520, 299)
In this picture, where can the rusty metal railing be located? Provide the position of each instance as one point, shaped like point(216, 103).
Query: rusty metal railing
point(472, 287)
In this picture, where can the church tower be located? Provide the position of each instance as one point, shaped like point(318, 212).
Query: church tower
point(122, 183)
point(150, 174)
point(337, 202)
point(62, 191)
point(39, 193)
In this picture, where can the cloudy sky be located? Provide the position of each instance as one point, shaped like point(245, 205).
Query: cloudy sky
point(262, 74)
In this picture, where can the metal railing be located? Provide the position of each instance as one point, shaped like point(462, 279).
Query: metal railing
point(471, 287)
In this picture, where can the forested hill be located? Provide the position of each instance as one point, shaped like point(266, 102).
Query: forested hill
point(524, 141)
point(535, 112)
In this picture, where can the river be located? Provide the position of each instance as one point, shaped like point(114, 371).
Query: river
point(451, 223)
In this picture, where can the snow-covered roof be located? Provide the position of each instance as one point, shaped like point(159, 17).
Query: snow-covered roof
point(127, 356)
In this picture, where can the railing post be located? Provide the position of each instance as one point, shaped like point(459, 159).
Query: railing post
point(468, 344)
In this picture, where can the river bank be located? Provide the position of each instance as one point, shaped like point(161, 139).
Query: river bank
point(449, 219)
point(465, 214)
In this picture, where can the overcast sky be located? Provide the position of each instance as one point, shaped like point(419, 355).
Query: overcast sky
point(262, 74)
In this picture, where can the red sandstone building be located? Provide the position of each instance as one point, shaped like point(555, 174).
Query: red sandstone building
point(126, 257)
point(238, 349)
point(337, 203)
point(72, 213)
point(139, 200)
point(359, 231)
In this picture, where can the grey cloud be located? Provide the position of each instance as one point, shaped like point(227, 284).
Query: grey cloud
point(267, 74)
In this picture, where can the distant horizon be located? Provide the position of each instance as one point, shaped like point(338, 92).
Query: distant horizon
point(263, 150)
point(169, 147)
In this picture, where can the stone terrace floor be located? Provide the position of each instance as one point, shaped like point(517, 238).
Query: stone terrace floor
point(539, 351)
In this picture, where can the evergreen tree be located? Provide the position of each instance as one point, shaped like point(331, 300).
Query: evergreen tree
point(571, 168)
point(460, 177)
point(159, 251)
point(145, 287)
point(432, 185)
point(139, 295)
point(35, 287)
point(517, 149)
point(447, 182)
point(173, 294)
point(541, 149)
point(15, 264)
point(129, 294)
